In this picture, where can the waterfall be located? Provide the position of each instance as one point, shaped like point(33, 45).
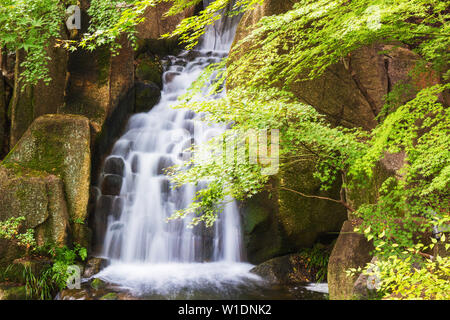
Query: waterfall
point(147, 253)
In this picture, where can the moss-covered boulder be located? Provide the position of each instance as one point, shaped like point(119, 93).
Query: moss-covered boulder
point(279, 221)
point(351, 250)
point(54, 147)
point(148, 95)
point(149, 70)
point(12, 292)
point(304, 220)
point(263, 237)
point(40, 198)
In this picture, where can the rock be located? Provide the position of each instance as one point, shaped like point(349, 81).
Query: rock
point(365, 286)
point(287, 270)
point(93, 266)
point(262, 235)
point(147, 96)
point(149, 70)
point(40, 198)
point(155, 24)
point(279, 221)
point(111, 184)
point(12, 292)
point(34, 101)
point(114, 165)
point(97, 284)
point(305, 220)
point(74, 294)
point(110, 296)
point(352, 92)
point(169, 76)
point(351, 250)
point(57, 145)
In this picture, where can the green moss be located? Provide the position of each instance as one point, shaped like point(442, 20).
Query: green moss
point(11, 292)
point(110, 296)
point(104, 62)
point(97, 284)
point(150, 70)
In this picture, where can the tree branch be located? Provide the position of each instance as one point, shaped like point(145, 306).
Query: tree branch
point(342, 202)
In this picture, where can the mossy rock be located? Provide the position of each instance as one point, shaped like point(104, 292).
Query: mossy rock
point(147, 96)
point(110, 296)
point(97, 284)
point(149, 70)
point(351, 250)
point(263, 239)
point(57, 145)
point(305, 220)
point(12, 292)
point(37, 196)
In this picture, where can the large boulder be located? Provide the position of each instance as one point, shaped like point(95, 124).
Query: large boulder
point(39, 197)
point(56, 145)
point(279, 221)
point(351, 250)
point(262, 233)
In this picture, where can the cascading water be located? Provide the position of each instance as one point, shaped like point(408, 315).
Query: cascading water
point(147, 254)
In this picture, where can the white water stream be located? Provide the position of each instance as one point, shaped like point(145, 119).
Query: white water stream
point(147, 254)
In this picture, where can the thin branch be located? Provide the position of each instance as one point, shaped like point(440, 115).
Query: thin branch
point(346, 205)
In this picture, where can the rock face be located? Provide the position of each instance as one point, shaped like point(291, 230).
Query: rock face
point(352, 250)
point(155, 25)
point(350, 93)
point(263, 235)
point(57, 149)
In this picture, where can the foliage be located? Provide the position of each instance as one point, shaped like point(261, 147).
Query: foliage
point(278, 52)
point(304, 135)
point(276, 55)
point(10, 230)
point(28, 26)
point(54, 278)
point(317, 259)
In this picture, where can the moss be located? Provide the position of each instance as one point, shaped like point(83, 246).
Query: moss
point(12, 292)
point(304, 219)
point(104, 62)
point(149, 69)
point(57, 145)
point(97, 284)
point(110, 296)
